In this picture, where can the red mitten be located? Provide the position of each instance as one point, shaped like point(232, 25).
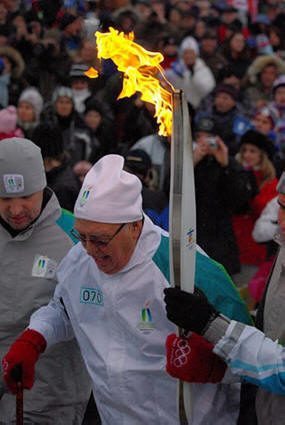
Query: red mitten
point(192, 360)
point(25, 352)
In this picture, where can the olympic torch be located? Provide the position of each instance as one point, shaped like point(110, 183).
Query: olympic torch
point(140, 69)
point(182, 215)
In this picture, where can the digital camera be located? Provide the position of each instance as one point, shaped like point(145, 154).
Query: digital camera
point(212, 142)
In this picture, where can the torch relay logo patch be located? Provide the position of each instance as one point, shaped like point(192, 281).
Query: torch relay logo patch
point(85, 195)
point(13, 183)
point(146, 324)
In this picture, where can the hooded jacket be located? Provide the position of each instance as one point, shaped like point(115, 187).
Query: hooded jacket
point(196, 84)
point(27, 281)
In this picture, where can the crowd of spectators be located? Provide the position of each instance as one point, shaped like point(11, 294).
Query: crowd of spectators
point(227, 57)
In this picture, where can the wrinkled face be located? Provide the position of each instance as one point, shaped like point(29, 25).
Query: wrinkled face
point(19, 213)
point(26, 112)
point(224, 102)
point(262, 123)
point(268, 75)
point(279, 96)
point(93, 119)
point(110, 253)
point(281, 213)
point(64, 106)
point(251, 155)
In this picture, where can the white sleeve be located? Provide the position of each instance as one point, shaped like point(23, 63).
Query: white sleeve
point(253, 356)
point(266, 225)
point(52, 322)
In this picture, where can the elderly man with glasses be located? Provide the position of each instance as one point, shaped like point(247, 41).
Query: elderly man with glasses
point(110, 297)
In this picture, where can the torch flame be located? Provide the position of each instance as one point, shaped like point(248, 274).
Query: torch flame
point(140, 68)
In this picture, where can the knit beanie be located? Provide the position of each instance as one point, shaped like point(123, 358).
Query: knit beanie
point(62, 91)
point(22, 170)
point(109, 194)
point(32, 96)
point(189, 43)
point(229, 89)
point(8, 119)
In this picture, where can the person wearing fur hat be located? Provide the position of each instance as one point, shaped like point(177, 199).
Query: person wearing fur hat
point(110, 298)
point(255, 155)
point(30, 106)
point(261, 75)
point(32, 243)
point(190, 73)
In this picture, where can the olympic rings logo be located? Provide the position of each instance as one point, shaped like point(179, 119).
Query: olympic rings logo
point(181, 352)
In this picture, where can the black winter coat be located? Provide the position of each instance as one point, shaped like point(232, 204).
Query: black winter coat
point(219, 192)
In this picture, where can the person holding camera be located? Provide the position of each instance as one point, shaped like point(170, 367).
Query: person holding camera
point(217, 177)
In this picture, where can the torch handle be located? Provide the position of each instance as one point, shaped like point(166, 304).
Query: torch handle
point(20, 404)
point(17, 373)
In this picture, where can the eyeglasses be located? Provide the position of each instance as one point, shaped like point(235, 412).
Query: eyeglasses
point(94, 239)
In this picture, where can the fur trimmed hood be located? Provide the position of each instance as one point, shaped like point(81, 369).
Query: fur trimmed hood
point(261, 62)
point(18, 64)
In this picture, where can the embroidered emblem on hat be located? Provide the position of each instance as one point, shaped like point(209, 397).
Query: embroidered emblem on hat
point(85, 195)
point(13, 183)
point(43, 267)
point(146, 324)
point(91, 296)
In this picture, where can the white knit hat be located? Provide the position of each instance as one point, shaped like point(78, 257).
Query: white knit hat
point(189, 43)
point(32, 96)
point(109, 194)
